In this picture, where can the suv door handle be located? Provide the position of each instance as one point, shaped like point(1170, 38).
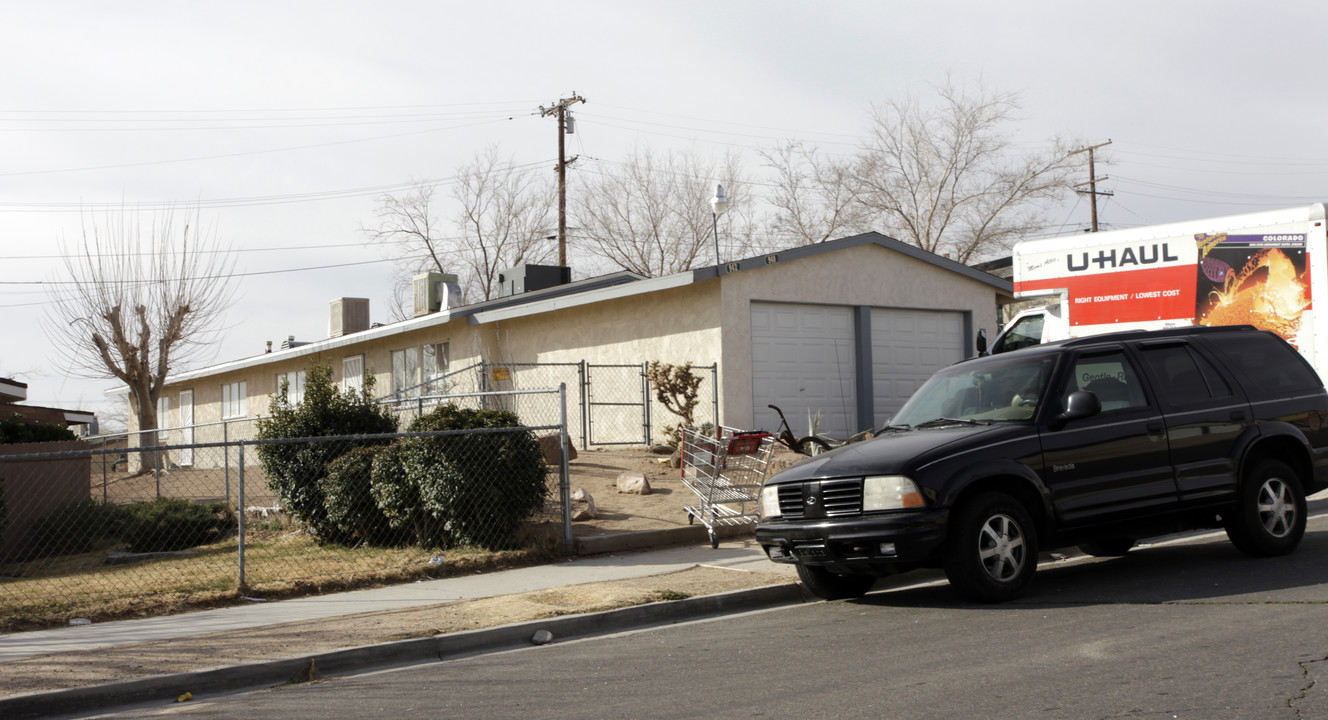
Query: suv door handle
point(1237, 416)
point(1155, 429)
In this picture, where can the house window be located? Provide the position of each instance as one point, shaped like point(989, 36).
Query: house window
point(406, 371)
point(352, 373)
point(233, 402)
point(435, 367)
point(294, 386)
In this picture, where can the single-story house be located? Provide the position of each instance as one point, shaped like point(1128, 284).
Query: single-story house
point(845, 330)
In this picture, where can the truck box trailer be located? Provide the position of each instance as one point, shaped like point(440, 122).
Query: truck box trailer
point(1261, 269)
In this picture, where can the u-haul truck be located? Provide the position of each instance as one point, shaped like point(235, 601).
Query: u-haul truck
point(1260, 269)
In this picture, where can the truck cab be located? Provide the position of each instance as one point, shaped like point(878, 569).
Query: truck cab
point(1031, 327)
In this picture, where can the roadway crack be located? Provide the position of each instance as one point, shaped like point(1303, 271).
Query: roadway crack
point(1309, 669)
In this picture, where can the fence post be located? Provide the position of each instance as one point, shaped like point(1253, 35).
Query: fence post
point(645, 400)
point(156, 462)
point(239, 493)
point(226, 459)
point(714, 392)
point(564, 473)
point(585, 420)
point(104, 496)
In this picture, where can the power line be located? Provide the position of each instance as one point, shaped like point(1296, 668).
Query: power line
point(224, 156)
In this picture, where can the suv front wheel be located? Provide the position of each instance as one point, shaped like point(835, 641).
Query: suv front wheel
point(1269, 516)
point(992, 551)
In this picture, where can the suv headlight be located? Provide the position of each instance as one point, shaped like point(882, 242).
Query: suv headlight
point(770, 501)
point(890, 492)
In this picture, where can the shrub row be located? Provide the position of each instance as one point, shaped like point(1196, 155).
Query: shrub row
point(466, 488)
point(161, 525)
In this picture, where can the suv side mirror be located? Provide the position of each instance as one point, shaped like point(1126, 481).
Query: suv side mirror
point(1081, 404)
point(982, 342)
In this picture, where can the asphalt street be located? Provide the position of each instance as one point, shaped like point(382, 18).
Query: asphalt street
point(1187, 628)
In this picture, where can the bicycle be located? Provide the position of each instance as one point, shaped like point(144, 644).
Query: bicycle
point(811, 445)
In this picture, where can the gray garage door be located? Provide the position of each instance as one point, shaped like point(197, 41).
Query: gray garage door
point(802, 361)
point(907, 347)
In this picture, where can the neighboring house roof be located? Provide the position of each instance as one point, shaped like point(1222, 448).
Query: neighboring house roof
point(593, 290)
point(1000, 267)
point(12, 390)
point(46, 415)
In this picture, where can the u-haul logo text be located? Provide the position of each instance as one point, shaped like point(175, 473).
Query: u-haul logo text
point(1115, 258)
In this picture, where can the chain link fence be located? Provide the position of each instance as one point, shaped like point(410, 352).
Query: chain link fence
point(608, 404)
point(82, 532)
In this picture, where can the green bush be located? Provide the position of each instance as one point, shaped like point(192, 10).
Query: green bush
point(479, 486)
point(349, 500)
point(295, 471)
point(167, 524)
point(76, 526)
point(16, 431)
point(398, 498)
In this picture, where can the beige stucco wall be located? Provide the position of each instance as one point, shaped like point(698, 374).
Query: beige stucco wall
point(866, 275)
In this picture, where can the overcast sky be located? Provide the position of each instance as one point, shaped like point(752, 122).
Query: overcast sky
point(284, 120)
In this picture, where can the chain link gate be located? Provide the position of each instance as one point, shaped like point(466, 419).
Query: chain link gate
point(617, 405)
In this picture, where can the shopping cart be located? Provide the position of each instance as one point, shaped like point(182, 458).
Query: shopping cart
point(725, 468)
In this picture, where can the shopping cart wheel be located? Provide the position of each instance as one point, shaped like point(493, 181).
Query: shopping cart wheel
point(714, 540)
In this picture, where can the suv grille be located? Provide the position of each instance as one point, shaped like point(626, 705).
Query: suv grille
point(823, 498)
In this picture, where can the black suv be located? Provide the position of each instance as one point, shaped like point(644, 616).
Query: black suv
point(1094, 442)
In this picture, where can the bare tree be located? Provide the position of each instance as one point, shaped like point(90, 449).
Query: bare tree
point(137, 301)
point(651, 213)
point(949, 180)
point(498, 216)
point(815, 197)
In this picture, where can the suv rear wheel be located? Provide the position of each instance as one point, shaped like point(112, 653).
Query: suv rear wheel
point(1269, 516)
point(832, 586)
point(992, 551)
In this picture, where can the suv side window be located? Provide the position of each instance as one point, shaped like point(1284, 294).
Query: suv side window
point(1183, 378)
point(1266, 363)
point(1111, 377)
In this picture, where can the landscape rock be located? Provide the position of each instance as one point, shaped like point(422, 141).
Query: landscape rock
point(583, 505)
point(542, 637)
point(549, 445)
point(633, 483)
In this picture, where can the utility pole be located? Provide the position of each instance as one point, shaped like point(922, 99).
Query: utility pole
point(565, 127)
point(1093, 180)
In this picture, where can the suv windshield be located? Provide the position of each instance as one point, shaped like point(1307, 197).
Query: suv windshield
point(1008, 388)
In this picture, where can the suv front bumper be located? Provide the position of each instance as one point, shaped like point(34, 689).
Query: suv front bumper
point(881, 543)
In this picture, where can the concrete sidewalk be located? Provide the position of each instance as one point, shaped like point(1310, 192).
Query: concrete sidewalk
point(738, 554)
point(55, 647)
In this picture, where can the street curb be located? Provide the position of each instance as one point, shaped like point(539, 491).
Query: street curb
point(233, 678)
point(654, 539)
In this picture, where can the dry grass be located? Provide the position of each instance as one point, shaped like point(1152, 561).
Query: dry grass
point(278, 563)
point(281, 560)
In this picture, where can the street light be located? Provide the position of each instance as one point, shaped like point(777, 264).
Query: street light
point(720, 203)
